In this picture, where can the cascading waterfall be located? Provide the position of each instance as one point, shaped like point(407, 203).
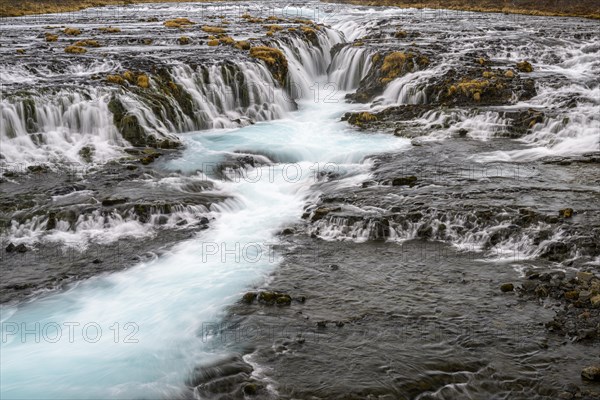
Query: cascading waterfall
point(54, 127)
point(228, 92)
point(349, 66)
point(152, 317)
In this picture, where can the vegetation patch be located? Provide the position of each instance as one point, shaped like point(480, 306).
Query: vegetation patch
point(109, 29)
point(140, 79)
point(51, 38)
point(212, 29)
point(310, 34)
point(75, 50)
point(183, 40)
point(178, 23)
point(87, 43)
point(399, 63)
point(275, 60)
point(227, 40)
point(72, 31)
point(116, 79)
point(524, 66)
point(274, 28)
point(243, 45)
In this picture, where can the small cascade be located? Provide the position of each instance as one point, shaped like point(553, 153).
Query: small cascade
point(307, 60)
point(348, 66)
point(409, 89)
point(52, 127)
point(225, 93)
point(55, 126)
point(496, 239)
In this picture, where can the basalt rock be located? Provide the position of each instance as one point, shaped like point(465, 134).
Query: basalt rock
point(478, 86)
point(387, 67)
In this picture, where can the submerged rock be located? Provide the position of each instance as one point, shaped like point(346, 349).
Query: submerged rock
point(591, 373)
point(249, 297)
point(271, 298)
point(507, 287)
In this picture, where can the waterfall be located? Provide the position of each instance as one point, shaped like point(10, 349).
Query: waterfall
point(44, 126)
point(349, 66)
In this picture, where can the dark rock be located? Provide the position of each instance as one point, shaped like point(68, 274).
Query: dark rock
point(249, 297)
point(555, 251)
point(86, 153)
point(524, 66)
point(271, 298)
point(507, 287)
point(21, 248)
point(425, 231)
point(591, 373)
point(10, 248)
point(321, 212)
point(112, 202)
point(36, 169)
point(51, 224)
point(404, 181)
point(566, 212)
point(250, 389)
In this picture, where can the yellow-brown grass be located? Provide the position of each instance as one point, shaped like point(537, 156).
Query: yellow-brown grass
point(75, 50)
point(109, 29)
point(87, 43)
point(580, 8)
point(212, 29)
point(18, 8)
point(51, 38)
point(269, 55)
point(178, 23)
point(72, 31)
point(563, 8)
point(243, 45)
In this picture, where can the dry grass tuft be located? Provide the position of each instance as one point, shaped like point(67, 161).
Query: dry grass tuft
point(72, 31)
point(51, 38)
point(75, 50)
point(87, 43)
point(178, 23)
point(212, 29)
point(109, 29)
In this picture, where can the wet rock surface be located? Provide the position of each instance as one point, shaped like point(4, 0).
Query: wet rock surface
point(486, 349)
point(52, 213)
